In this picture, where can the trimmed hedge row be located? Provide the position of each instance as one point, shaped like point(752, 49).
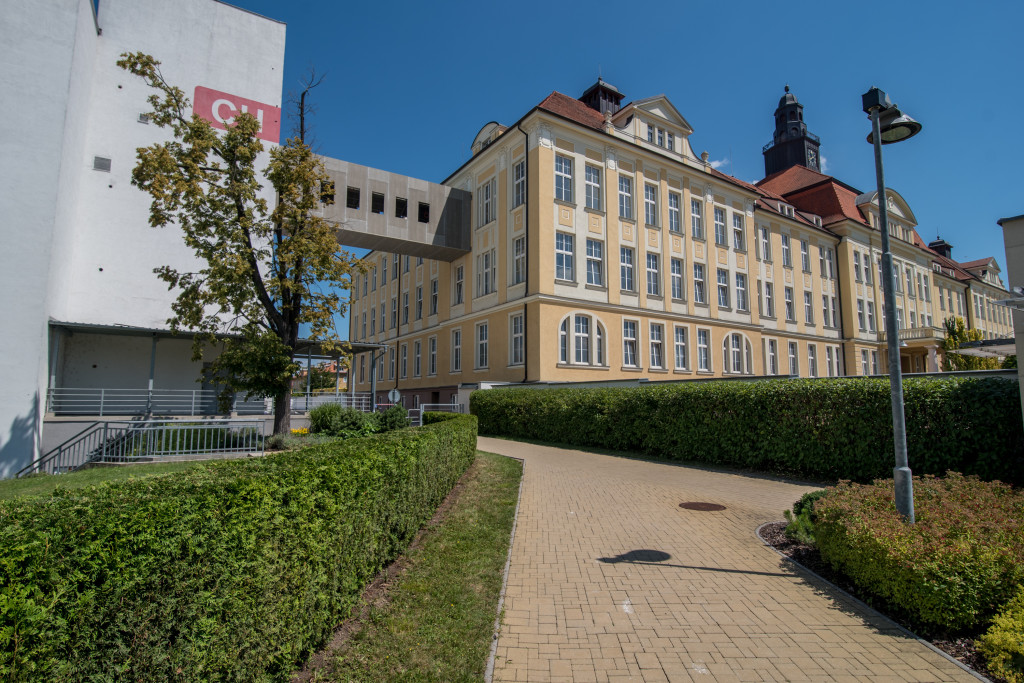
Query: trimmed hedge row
point(956, 566)
point(825, 429)
point(1003, 643)
point(229, 572)
point(434, 416)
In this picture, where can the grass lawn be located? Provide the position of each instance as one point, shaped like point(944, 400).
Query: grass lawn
point(438, 620)
point(43, 484)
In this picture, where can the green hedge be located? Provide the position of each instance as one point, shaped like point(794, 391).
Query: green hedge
point(230, 572)
point(825, 429)
point(434, 416)
point(957, 565)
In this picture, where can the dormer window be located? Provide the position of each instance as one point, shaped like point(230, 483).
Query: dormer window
point(671, 142)
point(650, 133)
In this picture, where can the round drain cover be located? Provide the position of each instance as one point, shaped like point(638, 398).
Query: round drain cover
point(702, 507)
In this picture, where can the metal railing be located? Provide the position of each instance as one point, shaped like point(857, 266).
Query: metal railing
point(150, 441)
point(912, 333)
point(101, 402)
point(306, 402)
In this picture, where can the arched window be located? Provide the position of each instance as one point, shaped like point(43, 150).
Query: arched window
point(737, 355)
point(581, 340)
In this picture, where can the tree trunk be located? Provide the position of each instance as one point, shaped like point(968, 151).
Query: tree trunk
point(283, 413)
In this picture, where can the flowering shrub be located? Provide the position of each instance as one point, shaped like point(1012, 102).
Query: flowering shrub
point(301, 431)
point(954, 568)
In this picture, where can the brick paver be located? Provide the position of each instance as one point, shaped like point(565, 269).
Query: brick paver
point(721, 606)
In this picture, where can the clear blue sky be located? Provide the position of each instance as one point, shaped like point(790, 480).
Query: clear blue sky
point(408, 85)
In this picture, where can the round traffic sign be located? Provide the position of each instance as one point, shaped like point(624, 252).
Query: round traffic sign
point(394, 396)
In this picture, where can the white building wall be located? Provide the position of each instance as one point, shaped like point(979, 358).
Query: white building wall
point(199, 42)
point(77, 243)
point(39, 42)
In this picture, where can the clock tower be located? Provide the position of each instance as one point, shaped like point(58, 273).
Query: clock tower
point(791, 144)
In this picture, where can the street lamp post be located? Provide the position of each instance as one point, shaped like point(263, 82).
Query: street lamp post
point(889, 125)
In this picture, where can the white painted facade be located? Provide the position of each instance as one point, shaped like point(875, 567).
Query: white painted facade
point(78, 247)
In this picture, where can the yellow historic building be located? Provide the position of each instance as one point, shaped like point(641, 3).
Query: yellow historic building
point(603, 248)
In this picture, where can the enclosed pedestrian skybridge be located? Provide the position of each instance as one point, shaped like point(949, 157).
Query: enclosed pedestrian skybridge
point(375, 209)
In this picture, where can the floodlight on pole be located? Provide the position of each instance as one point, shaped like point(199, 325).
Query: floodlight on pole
point(889, 125)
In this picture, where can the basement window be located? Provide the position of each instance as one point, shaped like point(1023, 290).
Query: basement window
point(401, 207)
point(424, 212)
point(101, 164)
point(352, 199)
point(377, 202)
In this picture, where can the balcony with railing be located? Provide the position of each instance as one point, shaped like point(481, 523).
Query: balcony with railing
point(927, 334)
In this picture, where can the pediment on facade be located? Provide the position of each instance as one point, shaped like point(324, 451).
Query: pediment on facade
point(896, 205)
point(660, 107)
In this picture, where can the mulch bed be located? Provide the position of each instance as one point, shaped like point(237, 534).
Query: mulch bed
point(960, 647)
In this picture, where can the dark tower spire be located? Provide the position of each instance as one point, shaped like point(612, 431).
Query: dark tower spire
point(791, 144)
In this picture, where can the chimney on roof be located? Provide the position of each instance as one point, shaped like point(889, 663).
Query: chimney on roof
point(602, 97)
point(942, 246)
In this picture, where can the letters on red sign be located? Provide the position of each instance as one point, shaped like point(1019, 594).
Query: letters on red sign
point(220, 109)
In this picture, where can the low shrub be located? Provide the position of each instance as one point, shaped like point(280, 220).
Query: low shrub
point(395, 417)
point(959, 563)
point(321, 418)
point(1003, 644)
point(826, 429)
point(233, 571)
point(801, 519)
point(337, 420)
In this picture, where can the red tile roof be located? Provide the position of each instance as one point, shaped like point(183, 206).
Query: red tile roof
point(977, 263)
point(572, 109)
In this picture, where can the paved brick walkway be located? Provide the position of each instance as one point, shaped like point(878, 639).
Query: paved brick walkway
point(707, 601)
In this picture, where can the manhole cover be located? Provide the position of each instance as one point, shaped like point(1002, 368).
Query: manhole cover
point(702, 507)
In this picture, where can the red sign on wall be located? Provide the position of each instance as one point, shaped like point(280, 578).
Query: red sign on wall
point(220, 109)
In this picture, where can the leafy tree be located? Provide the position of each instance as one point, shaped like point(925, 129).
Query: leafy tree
point(958, 334)
point(321, 378)
point(264, 272)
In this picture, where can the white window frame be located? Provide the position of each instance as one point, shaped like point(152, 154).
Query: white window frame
point(794, 359)
point(516, 339)
point(739, 239)
point(696, 219)
point(456, 359)
point(592, 184)
point(627, 280)
point(681, 352)
point(519, 183)
point(722, 280)
point(432, 356)
point(676, 271)
point(742, 304)
point(769, 300)
point(653, 274)
point(674, 220)
point(625, 196)
point(563, 178)
point(481, 357)
point(787, 252)
point(704, 350)
point(565, 247)
point(519, 260)
point(790, 304)
point(721, 238)
point(595, 262)
point(630, 348)
point(459, 289)
point(656, 336)
point(699, 284)
point(650, 204)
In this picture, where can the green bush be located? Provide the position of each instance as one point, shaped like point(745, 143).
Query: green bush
point(321, 418)
point(1003, 644)
point(395, 417)
point(337, 420)
point(432, 417)
point(959, 563)
point(801, 519)
point(827, 429)
point(232, 571)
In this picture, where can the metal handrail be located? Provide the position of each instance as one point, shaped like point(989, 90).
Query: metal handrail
point(128, 441)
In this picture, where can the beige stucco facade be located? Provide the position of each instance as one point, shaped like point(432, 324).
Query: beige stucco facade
point(601, 253)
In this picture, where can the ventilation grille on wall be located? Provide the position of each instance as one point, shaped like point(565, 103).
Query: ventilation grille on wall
point(101, 164)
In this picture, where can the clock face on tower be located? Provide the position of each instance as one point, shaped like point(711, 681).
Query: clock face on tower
point(812, 158)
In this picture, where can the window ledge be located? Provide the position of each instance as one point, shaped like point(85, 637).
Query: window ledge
point(597, 288)
point(660, 371)
point(678, 371)
point(562, 202)
point(631, 368)
point(598, 212)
